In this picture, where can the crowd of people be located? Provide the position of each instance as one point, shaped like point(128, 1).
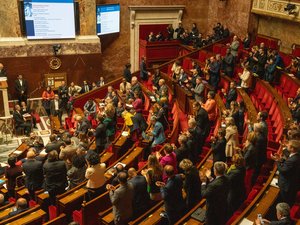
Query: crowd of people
point(171, 174)
point(190, 37)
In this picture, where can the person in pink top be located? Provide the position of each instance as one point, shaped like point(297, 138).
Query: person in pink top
point(168, 159)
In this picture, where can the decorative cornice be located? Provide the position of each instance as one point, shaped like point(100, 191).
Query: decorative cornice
point(156, 7)
point(274, 8)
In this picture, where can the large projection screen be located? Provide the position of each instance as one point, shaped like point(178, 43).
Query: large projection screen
point(108, 19)
point(49, 19)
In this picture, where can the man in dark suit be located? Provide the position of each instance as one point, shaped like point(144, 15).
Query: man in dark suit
point(54, 144)
point(20, 122)
point(218, 146)
point(21, 206)
point(172, 195)
point(85, 87)
point(100, 134)
point(141, 196)
point(216, 194)
point(2, 71)
point(121, 199)
point(55, 175)
point(143, 69)
point(231, 95)
point(289, 172)
point(63, 95)
point(21, 88)
point(83, 125)
point(56, 107)
point(33, 170)
point(127, 72)
point(283, 216)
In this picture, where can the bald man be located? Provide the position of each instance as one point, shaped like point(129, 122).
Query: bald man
point(33, 170)
point(21, 206)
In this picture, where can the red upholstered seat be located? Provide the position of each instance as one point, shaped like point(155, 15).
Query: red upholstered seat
point(235, 215)
point(251, 195)
point(77, 216)
point(187, 64)
point(52, 212)
point(295, 212)
point(32, 203)
point(202, 56)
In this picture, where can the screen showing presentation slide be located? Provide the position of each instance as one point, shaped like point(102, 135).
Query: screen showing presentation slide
point(108, 19)
point(49, 19)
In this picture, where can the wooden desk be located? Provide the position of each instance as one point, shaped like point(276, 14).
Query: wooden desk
point(105, 158)
point(36, 217)
point(6, 211)
point(264, 203)
point(72, 201)
point(132, 157)
point(153, 218)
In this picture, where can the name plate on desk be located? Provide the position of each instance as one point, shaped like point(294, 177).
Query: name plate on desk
point(54, 79)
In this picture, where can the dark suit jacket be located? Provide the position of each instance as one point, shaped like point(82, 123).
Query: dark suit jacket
point(100, 135)
point(231, 96)
point(250, 157)
point(55, 145)
point(192, 187)
point(182, 153)
point(289, 174)
point(172, 195)
point(143, 70)
point(55, 175)
point(202, 121)
point(139, 122)
point(218, 150)
point(34, 174)
point(14, 213)
point(141, 196)
point(121, 200)
point(3, 73)
point(83, 89)
point(285, 221)
point(19, 120)
point(127, 74)
point(83, 127)
point(216, 194)
point(237, 191)
point(20, 88)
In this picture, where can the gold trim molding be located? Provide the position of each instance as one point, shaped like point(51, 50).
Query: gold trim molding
point(274, 8)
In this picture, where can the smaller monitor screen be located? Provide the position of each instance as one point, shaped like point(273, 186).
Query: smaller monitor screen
point(108, 19)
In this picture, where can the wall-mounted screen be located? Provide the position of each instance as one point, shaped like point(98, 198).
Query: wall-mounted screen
point(108, 19)
point(49, 19)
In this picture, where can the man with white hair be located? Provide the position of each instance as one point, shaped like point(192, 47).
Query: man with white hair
point(282, 213)
point(234, 46)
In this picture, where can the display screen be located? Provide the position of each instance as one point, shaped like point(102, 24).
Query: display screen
point(108, 19)
point(49, 19)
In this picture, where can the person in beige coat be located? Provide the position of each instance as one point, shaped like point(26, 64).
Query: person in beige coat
point(245, 78)
point(232, 137)
point(95, 175)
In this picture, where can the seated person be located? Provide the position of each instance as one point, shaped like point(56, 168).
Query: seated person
point(159, 36)
point(109, 92)
point(124, 86)
point(90, 109)
point(83, 125)
point(20, 121)
point(94, 86)
point(183, 77)
point(156, 78)
point(120, 109)
point(3, 202)
point(282, 213)
point(35, 141)
point(151, 37)
point(21, 206)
